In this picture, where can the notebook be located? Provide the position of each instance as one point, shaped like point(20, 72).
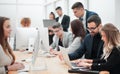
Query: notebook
point(73, 66)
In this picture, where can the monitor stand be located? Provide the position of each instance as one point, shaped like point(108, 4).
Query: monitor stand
point(39, 64)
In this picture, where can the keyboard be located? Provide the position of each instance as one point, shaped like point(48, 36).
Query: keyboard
point(83, 71)
point(73, 64)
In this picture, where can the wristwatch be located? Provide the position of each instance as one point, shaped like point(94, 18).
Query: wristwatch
point(6, 69)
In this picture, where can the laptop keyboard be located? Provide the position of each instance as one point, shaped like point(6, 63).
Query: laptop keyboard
point(73, 64)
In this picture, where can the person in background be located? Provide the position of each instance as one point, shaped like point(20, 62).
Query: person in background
point(50, 29)
point(52, 16)
point(60, 38)
point(64, 20)
point(110, 60)
point(82, 14)
point(25, 22)
point(7, 57)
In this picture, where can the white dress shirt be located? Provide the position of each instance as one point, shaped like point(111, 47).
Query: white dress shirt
point(60, 19)
point(84, 20)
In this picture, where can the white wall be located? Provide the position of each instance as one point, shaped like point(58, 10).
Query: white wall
point(17, 9)
point(49, 8)
point(105, 9)
point(9, 11)
point(117, 13)
point(108, 10)
point(7, 1)
point(31, 11)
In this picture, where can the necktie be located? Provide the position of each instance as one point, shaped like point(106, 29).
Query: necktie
point(81, 19)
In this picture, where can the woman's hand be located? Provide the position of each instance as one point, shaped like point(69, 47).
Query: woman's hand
point(84, 64)
point(54, 52)
point(16, 66)
point(60, 56)
point(84, 60)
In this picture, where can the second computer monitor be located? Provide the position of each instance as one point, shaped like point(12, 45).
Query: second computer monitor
point(23, 35)
point(44, 39)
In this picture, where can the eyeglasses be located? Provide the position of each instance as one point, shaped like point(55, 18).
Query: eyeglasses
point(92, 28)
point(56, 31)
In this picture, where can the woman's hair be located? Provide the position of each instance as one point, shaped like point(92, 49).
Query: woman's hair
point(25, 22)
point(51, 13)
point(113, 37)
point(3, 41)
point(77, 28)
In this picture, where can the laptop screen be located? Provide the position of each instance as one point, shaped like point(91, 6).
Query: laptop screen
point(48, 22)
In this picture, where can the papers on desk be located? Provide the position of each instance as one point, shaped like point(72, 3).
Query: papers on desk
point(45, 54)
point(31, 67)
point(27, 60)
point(26, 69)
point(49, 55)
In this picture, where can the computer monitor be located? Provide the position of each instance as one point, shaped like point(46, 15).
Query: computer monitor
point(36, 48)
point(41, 65)
point(44, 39)
point(23, 35)
point(48, 22)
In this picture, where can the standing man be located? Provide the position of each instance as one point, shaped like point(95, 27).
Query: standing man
point(63, 19)
point(82, 14)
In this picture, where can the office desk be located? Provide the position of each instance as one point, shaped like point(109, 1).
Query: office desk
point(54, 65)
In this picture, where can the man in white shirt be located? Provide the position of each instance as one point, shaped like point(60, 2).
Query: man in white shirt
point(64, 20)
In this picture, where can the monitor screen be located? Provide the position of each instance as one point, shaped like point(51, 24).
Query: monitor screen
point(36, 48)
point(23, 35)
point(41, 42)
point(44, 39)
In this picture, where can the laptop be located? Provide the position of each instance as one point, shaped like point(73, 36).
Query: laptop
point(72, 65)
point(48, 22)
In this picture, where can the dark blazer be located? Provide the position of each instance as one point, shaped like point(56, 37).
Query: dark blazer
point(65, 22)
point(112, 64)
point(88, 14)
point(86, 48)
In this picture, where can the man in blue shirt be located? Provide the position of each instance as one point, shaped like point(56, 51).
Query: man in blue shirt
point(82, 14)
point(92, 46)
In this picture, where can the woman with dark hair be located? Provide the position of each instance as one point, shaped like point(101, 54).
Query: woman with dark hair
point(50, 29)
point(7, 58)
point(77, 29)
point(52, 16)
point(110, 60)
point(78, 34)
